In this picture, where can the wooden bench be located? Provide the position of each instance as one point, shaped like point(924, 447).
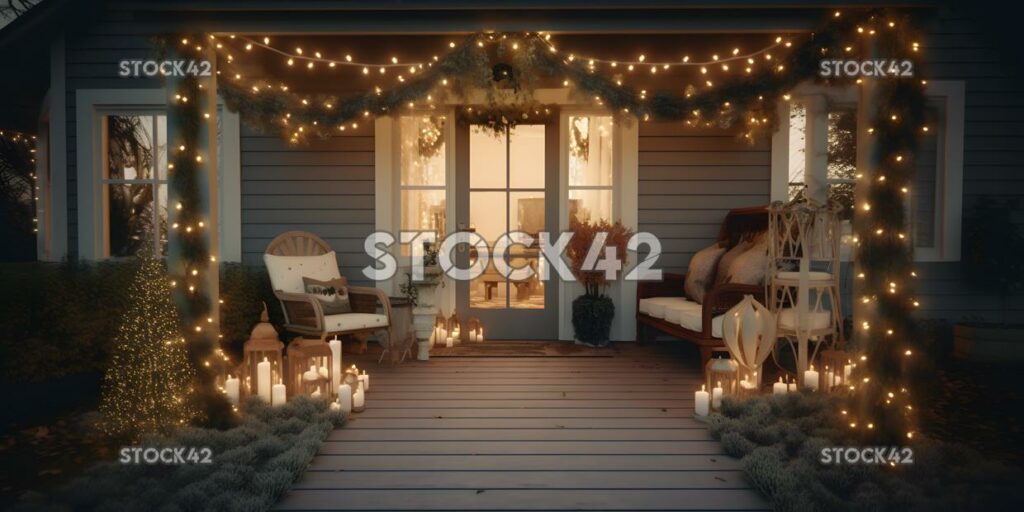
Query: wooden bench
point(738, 224)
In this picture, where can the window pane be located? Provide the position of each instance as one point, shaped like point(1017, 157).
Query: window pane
point(424, 210)
point(590, 151)
point(797, 147)
point(130, 213)
point(590, 205)
point(130, 151)
point(526, 148)
point(925, 187)
point(488, 158)
point(161, 146)
point(423, 150)
point(487, 217)
point(527, 215)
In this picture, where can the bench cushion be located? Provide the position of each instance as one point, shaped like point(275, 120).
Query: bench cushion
point(689, 315)
point(655, 306)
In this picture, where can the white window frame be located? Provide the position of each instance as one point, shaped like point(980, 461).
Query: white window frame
point(92, 105)
point(949, 189)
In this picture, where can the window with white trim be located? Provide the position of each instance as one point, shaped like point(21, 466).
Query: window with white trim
point(591, 167)
point(816, 149)
point(422, 184)
point(135, 183)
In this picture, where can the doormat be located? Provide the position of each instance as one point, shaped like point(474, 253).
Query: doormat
point(521, 349)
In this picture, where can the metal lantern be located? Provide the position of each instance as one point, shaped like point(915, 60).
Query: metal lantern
point(835, 369)
point(454, 328)
point(262, 344)
point(304, 355)
point(722, 371)
point(474, 328)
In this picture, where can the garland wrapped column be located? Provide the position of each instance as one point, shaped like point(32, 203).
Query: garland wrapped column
point(193, 216)
point(891, 118)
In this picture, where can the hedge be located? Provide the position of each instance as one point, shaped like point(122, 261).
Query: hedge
point(58, 319)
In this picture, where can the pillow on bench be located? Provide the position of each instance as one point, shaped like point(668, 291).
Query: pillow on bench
point(701, 273)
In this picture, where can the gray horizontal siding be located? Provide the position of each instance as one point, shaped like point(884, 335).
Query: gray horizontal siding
point(325, 186)
point(689, 179)
point(957, 47)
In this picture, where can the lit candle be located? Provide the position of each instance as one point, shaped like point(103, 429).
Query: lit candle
point(231, 388)
point(811, 379)
point(345, 398)
point(316, 393)
point(480, 335)
point(263, 379)
point(700, 401)
point(449, 342)
point(779, 388)
point(830, 378)
point(792, 387)
point(335, 345)
point(747, 385)
point(847, 371)
point(279, 394)
point(716, 396)
point(364, 380)
point(324, 372)
point(359, 398)
point(335, 406)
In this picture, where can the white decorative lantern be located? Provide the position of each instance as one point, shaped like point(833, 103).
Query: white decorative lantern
point(748, 330)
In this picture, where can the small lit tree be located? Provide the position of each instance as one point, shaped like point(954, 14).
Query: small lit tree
point(148, 385)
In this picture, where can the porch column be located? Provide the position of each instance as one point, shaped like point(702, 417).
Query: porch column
point(192, 259)
point(867, 166)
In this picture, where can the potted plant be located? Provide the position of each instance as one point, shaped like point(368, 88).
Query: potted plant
point(423, 294)
point(992, 248)
point(593, 312)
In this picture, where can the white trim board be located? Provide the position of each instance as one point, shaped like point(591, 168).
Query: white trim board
point(89, 110)
point(949, 193)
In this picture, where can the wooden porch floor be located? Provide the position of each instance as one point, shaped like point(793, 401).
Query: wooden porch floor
point(569, 433)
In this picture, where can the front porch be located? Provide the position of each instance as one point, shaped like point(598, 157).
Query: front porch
point(552, 433)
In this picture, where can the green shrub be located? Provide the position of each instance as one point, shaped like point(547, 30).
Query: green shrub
point(58, 319)
point(252, 466)
point(779, 440)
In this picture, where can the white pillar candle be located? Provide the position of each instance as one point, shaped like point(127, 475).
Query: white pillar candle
point(335, 346)
point(701, 401)
point(716, 396)
point(480, 335)
point(811, 379)
point(792, 387)
point(779, 388)
point(263, 380)
point(449, 342)
point(847, 371)
point(279, 394)
point(231, 388)
point(359, 398)
point(829, 379)
point(316, 392)
point(345, 398)
point(364, 380)
point(335, 406)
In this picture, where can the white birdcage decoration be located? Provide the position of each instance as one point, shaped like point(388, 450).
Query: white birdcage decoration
point(803, 274)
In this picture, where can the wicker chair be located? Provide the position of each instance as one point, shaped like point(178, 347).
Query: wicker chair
point(303, 312)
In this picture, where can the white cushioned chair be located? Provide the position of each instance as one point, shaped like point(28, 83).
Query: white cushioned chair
point(298, 254)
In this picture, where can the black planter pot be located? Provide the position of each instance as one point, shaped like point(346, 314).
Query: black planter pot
point(592, 318)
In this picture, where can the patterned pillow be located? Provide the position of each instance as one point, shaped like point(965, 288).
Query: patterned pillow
point(332, 294)
point(701, 274)
point(749, 267)
point(722, 274)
